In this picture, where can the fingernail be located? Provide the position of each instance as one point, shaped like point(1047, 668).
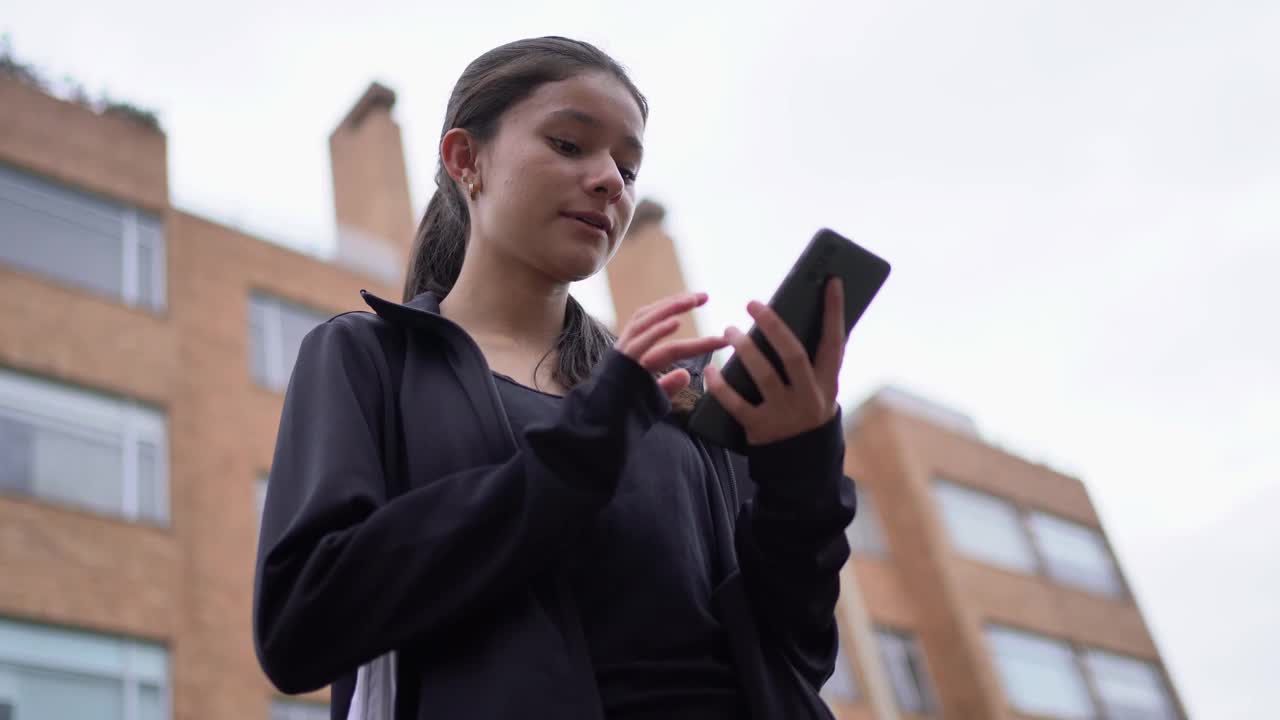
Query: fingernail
point(754, 306)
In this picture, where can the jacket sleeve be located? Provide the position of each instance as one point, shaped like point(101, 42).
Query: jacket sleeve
point(791, 543)
point(344, 575)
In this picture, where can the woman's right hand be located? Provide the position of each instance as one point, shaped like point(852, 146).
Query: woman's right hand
point(646, 339)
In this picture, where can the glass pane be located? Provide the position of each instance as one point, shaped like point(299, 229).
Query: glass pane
point(1039, 675)
point(151, 494)
point(1130, 689)
point(298, 710)
point(258, 340)
point(50, 694)
point(32, 645)
point(295, 323)
point(149, 663)
point(151, 270)
point(82, 469)
point(55, 231)
point(151, 703)
point(1076, 555)
point(146, 266)
point(864, 533)
point(841, 686)
point(905, 668)
point(17, 455)
point(984, 527)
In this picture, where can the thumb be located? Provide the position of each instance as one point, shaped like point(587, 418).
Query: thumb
point(673, 382)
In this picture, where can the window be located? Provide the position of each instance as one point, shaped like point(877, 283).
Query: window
point(48, 672)
point(276, 329)
point(840, 686)
point(1129, 689)
point(905, 666)
point(1039, 675)
point(82, 448)
point(984, 527)
point(865, 534)
point(298, 710)
point(82, 239)
point(1075, 554)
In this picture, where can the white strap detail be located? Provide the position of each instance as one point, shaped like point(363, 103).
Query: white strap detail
point(375, 694)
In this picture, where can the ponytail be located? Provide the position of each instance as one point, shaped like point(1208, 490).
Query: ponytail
point(440, 243)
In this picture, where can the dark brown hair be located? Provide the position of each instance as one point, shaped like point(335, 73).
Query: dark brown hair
point(489, 86)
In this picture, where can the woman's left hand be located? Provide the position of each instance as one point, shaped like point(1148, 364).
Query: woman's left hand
point(808, 401)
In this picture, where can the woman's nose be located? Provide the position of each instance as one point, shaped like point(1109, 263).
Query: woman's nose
point(607, 181)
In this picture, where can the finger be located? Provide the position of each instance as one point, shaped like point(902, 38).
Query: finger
point(637, 347)
point(795, 359)
point(830, 355)
point(732, 402)
point(666, 353)
point(674, 381)
point(648, 315)
point(758, 366)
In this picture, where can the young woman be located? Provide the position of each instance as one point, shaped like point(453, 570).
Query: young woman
point(483, 505)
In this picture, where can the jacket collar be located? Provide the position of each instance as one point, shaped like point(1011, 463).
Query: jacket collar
point(425, 309)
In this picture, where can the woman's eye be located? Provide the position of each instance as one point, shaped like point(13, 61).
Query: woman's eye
point(627, 174)
point(565, 146)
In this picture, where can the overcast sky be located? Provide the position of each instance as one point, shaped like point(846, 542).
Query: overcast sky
point(1081, 201)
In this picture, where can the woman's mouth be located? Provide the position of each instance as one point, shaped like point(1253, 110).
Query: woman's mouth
point(595, 220)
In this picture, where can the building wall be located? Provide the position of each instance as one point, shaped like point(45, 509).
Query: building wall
point(187, 585)
point(953, 597)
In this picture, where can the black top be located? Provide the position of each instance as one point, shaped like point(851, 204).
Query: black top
point(404, 516)
point(642, 578)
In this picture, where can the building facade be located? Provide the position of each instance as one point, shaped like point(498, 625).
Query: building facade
point(143, 356)
point(981, 585)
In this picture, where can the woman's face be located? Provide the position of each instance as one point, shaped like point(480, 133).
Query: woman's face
point(558, 177)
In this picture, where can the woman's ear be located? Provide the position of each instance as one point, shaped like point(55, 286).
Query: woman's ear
point(459, 153)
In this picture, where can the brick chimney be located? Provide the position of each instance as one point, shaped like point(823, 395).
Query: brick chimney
point(646, 267)
point(371, 188)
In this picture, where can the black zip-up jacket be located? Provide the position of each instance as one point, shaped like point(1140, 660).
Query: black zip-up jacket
point(402, 515)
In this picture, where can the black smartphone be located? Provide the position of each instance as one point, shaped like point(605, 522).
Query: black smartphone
point(799, 302)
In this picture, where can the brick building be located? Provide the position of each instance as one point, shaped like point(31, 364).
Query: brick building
point(143, 353)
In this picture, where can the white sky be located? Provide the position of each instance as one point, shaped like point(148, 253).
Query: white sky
point(1081, 202)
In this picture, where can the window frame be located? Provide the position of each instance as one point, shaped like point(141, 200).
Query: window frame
point(849, 677)
point(138, 662)
point(907, 646)
point(1120, 588)
point(1105, 710)
point(296, 709)
point(943, 483)
point(269, 309)
point(872, 531)
point(138, 229)
point(54, 405)
point(1074, 663)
